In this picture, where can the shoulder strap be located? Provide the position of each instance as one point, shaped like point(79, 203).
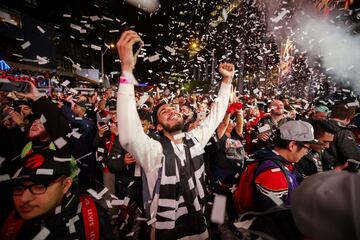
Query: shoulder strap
point(280, 165)
point(11, 227)
point(90, 218)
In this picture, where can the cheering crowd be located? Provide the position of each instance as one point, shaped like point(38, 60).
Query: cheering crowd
point(163, 165)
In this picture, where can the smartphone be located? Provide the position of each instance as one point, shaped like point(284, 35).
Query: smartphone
point(265, 128)
point(14, 86)
point(102, 124)
point(136, 47)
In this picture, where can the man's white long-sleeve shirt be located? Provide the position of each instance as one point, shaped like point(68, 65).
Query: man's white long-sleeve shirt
point(149, 152)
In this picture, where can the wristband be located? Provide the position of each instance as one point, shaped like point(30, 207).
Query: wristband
point(123, 80)
point(128, 78)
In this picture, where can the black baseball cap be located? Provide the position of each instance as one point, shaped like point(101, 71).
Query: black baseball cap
point(43, 167)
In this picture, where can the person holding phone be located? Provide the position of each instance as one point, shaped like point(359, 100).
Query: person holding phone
point(176, 208)
point(267, 126)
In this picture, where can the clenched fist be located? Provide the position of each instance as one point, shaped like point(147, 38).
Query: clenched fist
point(227, 70)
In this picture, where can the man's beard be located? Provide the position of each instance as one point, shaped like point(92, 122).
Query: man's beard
point(278, 113)
point(176, 128)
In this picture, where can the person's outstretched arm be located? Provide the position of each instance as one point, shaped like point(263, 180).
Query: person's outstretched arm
point(133, 139)
point(217, 112)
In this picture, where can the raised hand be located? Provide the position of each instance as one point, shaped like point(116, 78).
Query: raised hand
point(125, 50)
point(17, 118)
point(227, 70)
point(33, 93)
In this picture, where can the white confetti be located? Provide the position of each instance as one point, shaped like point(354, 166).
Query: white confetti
point(4, 177)
point(130, 234)
point(169, 49)
point(218, 209)
point(43, 234)
point(17, 55)
point(74, 26)
point(65, 83)
point(264, 128)
point(353, 104)
point(137, 172)
point(95, 47)
point(25, 45)
point(279, 17)
point(43, 171)
point(42, 119)
point(244, 224)
point(94, 18)
point(58, 159)
point(117, 202)
point(154, 58)
point(142, 100)
point(96, 195)
point(60, 142)
point(71, 224)
point(41, 29)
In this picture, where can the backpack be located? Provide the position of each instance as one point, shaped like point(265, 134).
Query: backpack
point(13, 224)
point(243, 196)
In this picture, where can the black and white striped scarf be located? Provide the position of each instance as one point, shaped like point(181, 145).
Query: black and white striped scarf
point(181, 193)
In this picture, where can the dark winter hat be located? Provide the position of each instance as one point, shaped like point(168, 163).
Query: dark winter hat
point(325, 206)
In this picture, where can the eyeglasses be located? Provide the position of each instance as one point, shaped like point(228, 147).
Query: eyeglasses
point(308, 149)
point(35, 189)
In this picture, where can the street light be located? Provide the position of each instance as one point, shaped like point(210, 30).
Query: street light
point(104, 78)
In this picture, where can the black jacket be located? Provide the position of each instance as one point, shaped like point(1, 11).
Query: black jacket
point(127, 185)
point(342, 149)
point(82, 147)
point(309, 164)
